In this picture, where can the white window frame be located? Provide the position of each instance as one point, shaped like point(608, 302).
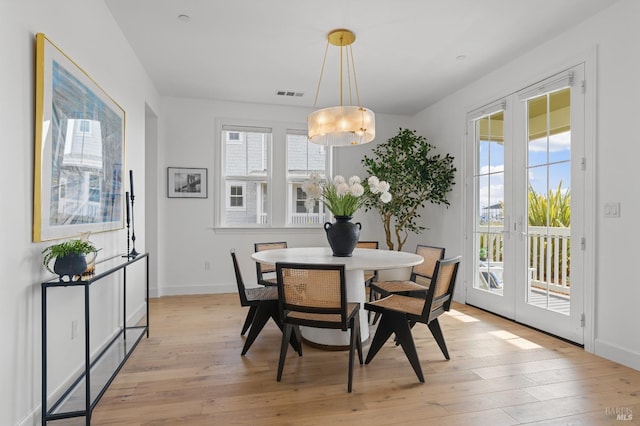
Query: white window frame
point(229, 185)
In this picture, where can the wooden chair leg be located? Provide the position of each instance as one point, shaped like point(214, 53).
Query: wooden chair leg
point(352, 344)
point(403, 333)
point(359, 341)
point(263, 313)
point(379, 339)
point(296, 339)
point(247, 322)
point(286, 336)
point(372, 297)
point(434, 326)
point(376, 317)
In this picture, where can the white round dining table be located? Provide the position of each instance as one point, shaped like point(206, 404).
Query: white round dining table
point(361, 260)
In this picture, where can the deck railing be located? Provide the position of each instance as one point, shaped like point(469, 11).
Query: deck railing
point(549, 254)
point(298, 219)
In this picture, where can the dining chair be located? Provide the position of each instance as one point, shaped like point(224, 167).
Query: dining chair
point(369, 276)
point(263, 304)
point(264, 271)
point(316, 296)
point(400, 312)
point(419, 279)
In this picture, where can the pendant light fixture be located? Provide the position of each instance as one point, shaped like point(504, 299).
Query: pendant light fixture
point(342, 125)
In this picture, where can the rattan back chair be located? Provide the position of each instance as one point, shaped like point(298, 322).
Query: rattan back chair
point(418, 281)
point(266, 272)
point(262, 303)
point(399, 312)
point(316, 296)
point(420, 274)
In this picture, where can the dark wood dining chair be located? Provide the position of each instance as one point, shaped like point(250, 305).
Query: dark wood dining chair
point(400, 313)
point(420, 275)
point(263, 304)
point(265, 272)
point(316, 296)
point(369, 276)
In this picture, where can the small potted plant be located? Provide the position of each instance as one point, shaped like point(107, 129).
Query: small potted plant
point(483, 254)
point(70, 257)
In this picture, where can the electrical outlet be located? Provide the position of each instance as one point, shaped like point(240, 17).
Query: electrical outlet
point(612, 210)
point(74, 329)
point(207, 265)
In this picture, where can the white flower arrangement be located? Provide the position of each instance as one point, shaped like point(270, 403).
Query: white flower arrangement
point(341, 197)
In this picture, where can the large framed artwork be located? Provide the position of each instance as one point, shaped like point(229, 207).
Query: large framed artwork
point(186, 182)
point(79, 150)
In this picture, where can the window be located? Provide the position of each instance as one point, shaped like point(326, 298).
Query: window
point(234, 137)
point(235, 196)
point(303, 159)
point(245, 175)
point(85, 126)
point(262, 170)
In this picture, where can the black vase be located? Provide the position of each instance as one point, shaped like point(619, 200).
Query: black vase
point(71, 264)
point(343, 235)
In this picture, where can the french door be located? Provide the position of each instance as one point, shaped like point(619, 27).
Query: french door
point(525, 227)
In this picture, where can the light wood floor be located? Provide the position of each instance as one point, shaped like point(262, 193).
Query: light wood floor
point(190, 372)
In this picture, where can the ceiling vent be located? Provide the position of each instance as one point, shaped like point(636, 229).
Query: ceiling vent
point(289, 93)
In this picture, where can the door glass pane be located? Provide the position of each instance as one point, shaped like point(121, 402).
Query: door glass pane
point(489, 187)
point(549, 201)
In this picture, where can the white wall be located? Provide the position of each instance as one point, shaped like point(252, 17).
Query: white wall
point(614, 31)
point(84, 30)
point(187, 238)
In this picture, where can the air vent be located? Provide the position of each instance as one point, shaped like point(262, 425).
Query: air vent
point(289, 93)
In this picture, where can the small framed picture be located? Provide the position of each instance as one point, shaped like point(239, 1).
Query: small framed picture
point(184, 182)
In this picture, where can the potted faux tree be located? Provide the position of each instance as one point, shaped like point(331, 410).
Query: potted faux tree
point(70, 257)
point(416, 177)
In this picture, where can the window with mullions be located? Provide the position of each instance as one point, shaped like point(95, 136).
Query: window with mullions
point(303, 159)
point(245, 175)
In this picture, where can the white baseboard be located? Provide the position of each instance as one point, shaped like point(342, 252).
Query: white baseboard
point(617, 354)
point(32, 419)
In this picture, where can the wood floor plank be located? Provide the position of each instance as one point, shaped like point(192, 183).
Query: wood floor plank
point(190, 372)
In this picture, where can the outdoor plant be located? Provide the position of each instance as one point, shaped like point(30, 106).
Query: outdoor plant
point(344, 198)
point(66, 248)
point(557, 206)
point(553, 210)
point(418, 177)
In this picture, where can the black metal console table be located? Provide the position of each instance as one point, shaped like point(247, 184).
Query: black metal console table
point(81, 397)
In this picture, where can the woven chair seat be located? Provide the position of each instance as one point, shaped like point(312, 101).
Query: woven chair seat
point(368, 276)
point(399, 286)
point(396, 302)
point(262, 293)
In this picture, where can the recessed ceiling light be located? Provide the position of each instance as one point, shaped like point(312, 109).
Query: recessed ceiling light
point(184, 18)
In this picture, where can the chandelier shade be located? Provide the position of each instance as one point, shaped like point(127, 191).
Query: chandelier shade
point(342, 125)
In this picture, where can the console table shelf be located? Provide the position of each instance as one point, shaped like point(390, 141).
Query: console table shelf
point(81, 397)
